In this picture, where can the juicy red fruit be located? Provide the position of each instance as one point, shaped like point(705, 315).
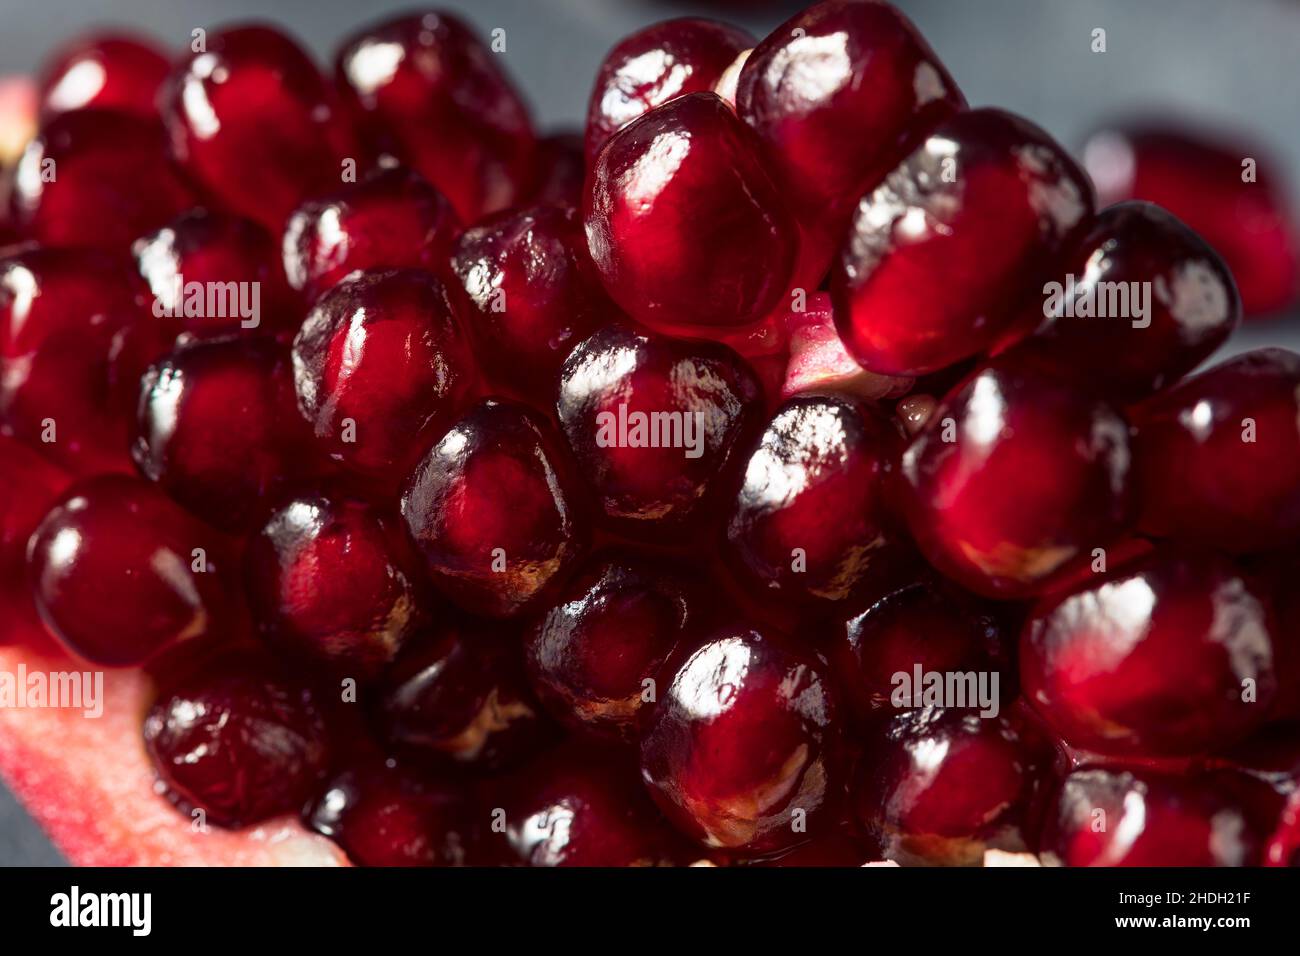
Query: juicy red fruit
point(29, 487)
point(104, 71)
point(685, 225)
point(941, 254)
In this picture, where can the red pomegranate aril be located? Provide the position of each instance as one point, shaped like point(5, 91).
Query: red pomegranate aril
point(811, 521)
point(839, 94)
point(819, 361)
point(593, 658)
point(200, 251)
point(1202, 179)
point(122, 574)
point(742, 751)
point(29, 486)
point(654, 65)
point(384, 816)
point(1160, 268)
point(334, 583)
point(1111, 816)
point(252, 120)
point(1171, 655)
point(1283, 848)
point(559, 170)
point(425, 89)
point(687, 229)
point(495, 508)
point(1015, 478)
point(381, 369)
point(391, 219)
point(657, 425)
point(942, 786)
point(945, 250)
point(240, 743)
point(1218, 456)
point(218, 429)
point(531, 294)
point(104, 71)
point(112, 182)
point(75, 336)
point(458, 695)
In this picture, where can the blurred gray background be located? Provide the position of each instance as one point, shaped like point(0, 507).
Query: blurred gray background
point(1229, 63)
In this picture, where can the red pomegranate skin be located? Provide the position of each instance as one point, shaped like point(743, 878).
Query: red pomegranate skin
point(1200, 176)
point(390, 219)
point(252, 121)
point(1170, 656)
point(1218, 456)
point(103, 70)
point(982, 209)
point(78, 183)
point(654, 65)
point(114, 567)
point(1015, 479)
point(685, 225)
point(742, 750)
point(531, 294)
point(496, 509)
point(381, 368)
point(424, 89)
point(668, 491)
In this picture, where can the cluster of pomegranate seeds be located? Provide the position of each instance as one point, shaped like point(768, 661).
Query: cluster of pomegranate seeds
point(794, 467)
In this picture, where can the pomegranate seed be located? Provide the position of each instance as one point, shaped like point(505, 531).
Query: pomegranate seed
point(1015, 479)
point(590, 657)
point(381, 369)
point(242, 744)
point(682, 192)
point(622, 395)
point(252, 120)
point(983, 209)
point(392, 219)
point(657, 64)
point(121, 574)
point(29, 486)
point(742, 750)
point(428, 92)
point(1170, 655)
point(103, 71)
point(1284, 845)
point(560, 167)
point(532, 294)
point(818, 360)
point(1218, 457)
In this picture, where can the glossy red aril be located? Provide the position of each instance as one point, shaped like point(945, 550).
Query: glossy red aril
point(381, 369)
point(391, 219)
point(217, 275)
point(742, 750)
point(811, 520)
point(1229, 190)
point(1015, 478)
point(686, 227)
point(383, 816)
point(495, 508)
point(1170, 655)
point(654, 65)
point(955, 239)
point(839, 94)
point(459, 694)
point(559, 169)
point(29, 487)
point(120, 573)
point(218, 429)
point(95, 178)
point(334, 583)
point(531, 294)
point(818, 359)
point(255, 124)
point(241, 743)
point(425, 89)
point(75, 335)
point(593, 658)
point(1138, 303)
point(1283, 847)
point(1150, 819)
point(657, 425)
point(103, 71)
point(1218, 456)
point(942, 786)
